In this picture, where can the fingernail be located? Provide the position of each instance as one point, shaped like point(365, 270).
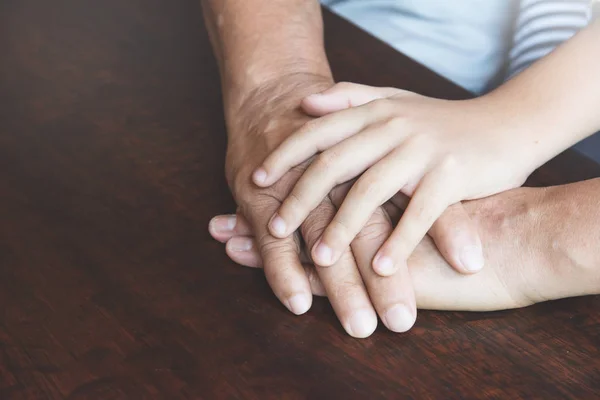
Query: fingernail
point(224, 224)
point(383, 265)
point(472, 258)
point(399, 318)
point(362, 323)
point(324, 254)
point(239, 244)
point(278, 225)
point(298, 304)
point(259, 176)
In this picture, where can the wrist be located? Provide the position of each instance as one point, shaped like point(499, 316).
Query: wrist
point(534, 129)
point(572, 218)
point(512, 132)
point(537, 241)
point(513, 243)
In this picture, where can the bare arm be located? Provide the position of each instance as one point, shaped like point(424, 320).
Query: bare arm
point(262, 41)
point(554, 103)
point(271, 56)
point(540, 244)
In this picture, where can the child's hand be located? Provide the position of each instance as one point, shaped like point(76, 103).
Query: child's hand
point(438, 152)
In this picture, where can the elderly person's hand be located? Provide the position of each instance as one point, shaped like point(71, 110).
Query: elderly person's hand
point(262, 121)
point(538, 243)
point(438, 152)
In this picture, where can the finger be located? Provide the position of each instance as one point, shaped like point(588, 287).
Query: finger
point(342, 282)
point(331, 168)
point(371, 190)
point(439, 287)
point(457, 239)
point(224, 227)
point(282, 266)
point(242, 250)
point(316, 136)
point(316, 286)
point(338, 193)
point(433, 195)
point(454, 233)
point(344, 95)
point(393, 212)
point(393, 296)
point(400, 200)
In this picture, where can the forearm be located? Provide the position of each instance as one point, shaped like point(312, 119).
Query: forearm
point(260, 41)
point(549, 235)
point(554, 103)
point(575, 236)
point(539, 245)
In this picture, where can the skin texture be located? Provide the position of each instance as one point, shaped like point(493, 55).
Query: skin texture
point(427, 149)
point(267, 68)
point(538, 242)
point(389, 137)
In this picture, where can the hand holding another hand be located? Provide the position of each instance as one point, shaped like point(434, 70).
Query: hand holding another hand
point(437, 152)
point(256, 127)
point(357, 295)
point(530, 258)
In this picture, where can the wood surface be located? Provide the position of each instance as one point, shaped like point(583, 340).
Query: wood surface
point(111, 164)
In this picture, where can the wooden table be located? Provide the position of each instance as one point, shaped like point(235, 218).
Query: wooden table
point(111, 164)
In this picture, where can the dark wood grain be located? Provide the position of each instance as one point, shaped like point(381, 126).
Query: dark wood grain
point(111, 164)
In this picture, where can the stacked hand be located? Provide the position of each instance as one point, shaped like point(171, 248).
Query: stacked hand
point(525, 265)
point(256, 128)
point(437, 152)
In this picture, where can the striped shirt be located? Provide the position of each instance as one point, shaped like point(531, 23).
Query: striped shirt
point(475, 43)
point(541, 26)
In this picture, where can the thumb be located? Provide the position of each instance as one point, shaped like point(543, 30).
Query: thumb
point(456, 237)
point(344, 95)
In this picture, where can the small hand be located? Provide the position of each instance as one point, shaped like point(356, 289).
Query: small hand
point(438, 152)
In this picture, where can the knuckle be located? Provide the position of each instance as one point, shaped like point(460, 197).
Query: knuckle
point(419, 143)
point(396, 123)
point(382, 105)
point(309, 126)
point(344, 85)
point(377, 229)
point(367, 187)
point(311, 231)
point(274, 250)
point(347, 287)
point(295, 173)
point(246, 197)
point(339, 232)
point(448, 163)
point(294, 205)
point(258, 202)
point(278, 158)
point(326, 160)
point(316, 222)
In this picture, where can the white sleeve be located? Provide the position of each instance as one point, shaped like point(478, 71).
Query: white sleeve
point(541, 26)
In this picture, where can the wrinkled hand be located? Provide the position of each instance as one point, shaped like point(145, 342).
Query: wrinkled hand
point(438, 152)
point(355, 292)
point(518, 230)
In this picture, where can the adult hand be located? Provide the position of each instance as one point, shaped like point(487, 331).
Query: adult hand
point(355, 292)
point(530, 256)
